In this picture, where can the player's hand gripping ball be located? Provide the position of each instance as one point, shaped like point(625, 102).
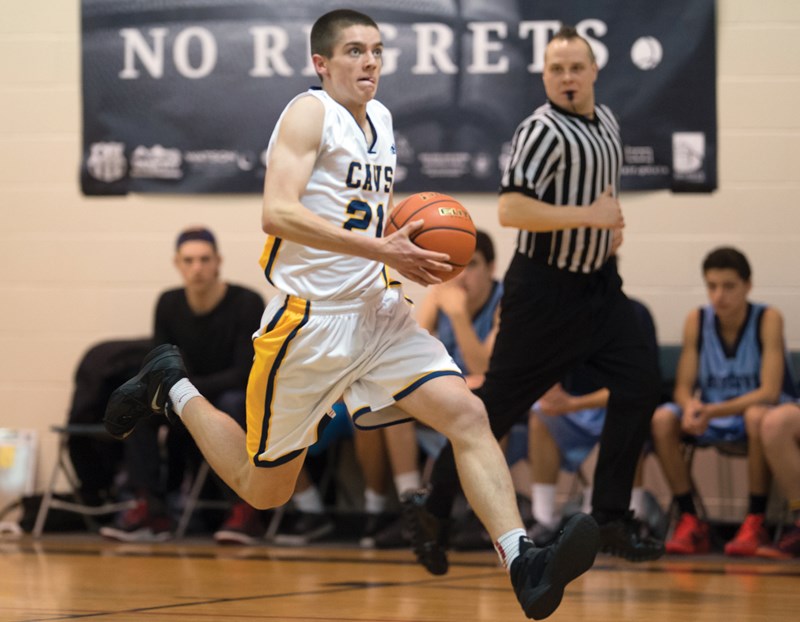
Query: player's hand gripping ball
point(448, 227)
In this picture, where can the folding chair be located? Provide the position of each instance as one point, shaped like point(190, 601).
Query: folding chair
point(63, 466)
point(194, 502)
point(727, 450)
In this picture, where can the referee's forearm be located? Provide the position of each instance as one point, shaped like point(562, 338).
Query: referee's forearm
point(523, 212)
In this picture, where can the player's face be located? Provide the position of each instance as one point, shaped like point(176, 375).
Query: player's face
point(352, 72)
point(198, 264)
point(727, 292)
point(476, 279)
point(568, 68)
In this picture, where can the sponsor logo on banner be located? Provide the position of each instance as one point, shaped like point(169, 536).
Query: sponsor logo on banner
point(106, 161)
point(688, 156)
point(156, 162)
point(223, 160)
point(436, 165)
point(640, 160)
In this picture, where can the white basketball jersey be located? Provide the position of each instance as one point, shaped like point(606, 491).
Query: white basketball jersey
point(350, 188)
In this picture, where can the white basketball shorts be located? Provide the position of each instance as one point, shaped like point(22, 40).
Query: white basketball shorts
point(308, 354)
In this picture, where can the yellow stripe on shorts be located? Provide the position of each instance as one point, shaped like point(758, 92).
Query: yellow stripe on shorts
point(270, 350)
point(268, 255)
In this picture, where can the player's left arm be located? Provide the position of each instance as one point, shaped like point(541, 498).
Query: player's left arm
point(772, 361)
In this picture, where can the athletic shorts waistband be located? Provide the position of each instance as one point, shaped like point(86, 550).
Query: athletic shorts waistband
point(334, 307)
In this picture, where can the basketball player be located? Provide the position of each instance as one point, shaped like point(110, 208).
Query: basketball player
point(342, 327)
point(780, 434)
point(733, 363)
point(563, 302)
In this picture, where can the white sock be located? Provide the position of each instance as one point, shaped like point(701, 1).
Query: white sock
point(544, 504)
point(637, 502)
point(180, 394)
point(507, 546)
point(309, 501)
point(407, 481)
point(374, 503)
point(586, 505)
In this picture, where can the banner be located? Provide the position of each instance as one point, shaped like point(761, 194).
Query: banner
point(182, 95)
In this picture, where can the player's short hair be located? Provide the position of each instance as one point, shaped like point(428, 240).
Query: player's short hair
point(326, 29)
point(484, 245)
point(196, 233)
point(569, 33)
point(727, 258)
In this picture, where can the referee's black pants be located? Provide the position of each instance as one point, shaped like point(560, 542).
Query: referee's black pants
point(551, 321)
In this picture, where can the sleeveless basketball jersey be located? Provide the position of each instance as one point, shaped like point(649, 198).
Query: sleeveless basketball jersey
point(725, 375)
point(482, 323)
point(349, 187)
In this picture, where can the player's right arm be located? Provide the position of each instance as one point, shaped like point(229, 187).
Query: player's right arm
point(291, 163)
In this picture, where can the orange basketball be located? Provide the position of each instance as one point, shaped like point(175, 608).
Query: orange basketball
point(448, 227)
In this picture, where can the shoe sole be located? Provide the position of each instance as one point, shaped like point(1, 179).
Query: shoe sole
point(574, 553)
point(234, 537)
point(124, 401)
point(766, 552)
point(302, 540)
point(139, 535)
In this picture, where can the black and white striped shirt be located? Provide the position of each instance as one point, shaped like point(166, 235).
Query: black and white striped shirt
point(565, 159)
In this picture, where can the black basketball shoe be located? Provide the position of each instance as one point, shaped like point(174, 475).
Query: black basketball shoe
point(428, 533)
point(539, 575)
point(624, 537)
point(146, 393)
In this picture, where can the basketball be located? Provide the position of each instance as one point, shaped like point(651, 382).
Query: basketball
point(448, 227)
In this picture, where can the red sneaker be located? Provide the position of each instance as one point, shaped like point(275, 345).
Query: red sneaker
point(750, 536)
point(139, 524)
point(242, 526)
point(691, 537)
point(787, 548)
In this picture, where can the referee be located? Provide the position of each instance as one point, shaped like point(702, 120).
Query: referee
point(563, 302)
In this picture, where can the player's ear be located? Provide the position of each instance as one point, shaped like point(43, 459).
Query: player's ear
point(320, 64)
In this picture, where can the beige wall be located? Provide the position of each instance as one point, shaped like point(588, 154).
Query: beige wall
point(76, 270)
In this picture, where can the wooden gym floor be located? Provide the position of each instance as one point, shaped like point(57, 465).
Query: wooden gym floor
point(84, 577)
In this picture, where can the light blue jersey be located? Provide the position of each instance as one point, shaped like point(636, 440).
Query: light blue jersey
point(482, 323)
point(726, 373)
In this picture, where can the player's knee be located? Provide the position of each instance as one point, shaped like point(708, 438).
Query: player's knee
point(469, 421)
point(664, 424)
point(773, 426)
point(266, 499)
point(267, 488)
point(753, 416)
